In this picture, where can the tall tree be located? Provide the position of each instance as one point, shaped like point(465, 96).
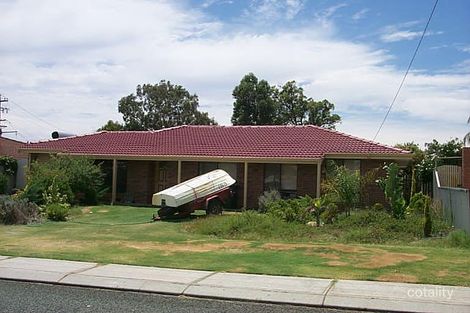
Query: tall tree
point(111, 126)
point(320, 113)
point(160, 106)
point(292, 104)
point(258, 103)
point(254, 103)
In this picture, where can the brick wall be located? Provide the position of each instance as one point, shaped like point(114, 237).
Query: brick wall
point(373, 192)
point(239, 184)
point(466, 167)
point(189, 170)
point(306, 180)
point(140, 181)
point(10, 147)
point(255, 184)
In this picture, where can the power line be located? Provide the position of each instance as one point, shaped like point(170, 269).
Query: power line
point(34, 115)
point(407, 70)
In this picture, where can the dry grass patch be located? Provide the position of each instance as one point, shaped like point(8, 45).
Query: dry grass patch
point(170, 248)
point(399, 278)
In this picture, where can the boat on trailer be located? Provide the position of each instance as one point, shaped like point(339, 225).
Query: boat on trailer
point(209, 191)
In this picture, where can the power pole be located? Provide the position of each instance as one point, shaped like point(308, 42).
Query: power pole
point(4, 110)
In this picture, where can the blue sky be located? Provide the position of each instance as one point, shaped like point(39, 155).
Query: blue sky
point(67, 63)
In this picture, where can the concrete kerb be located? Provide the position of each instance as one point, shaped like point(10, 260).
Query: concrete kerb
point(364, 295)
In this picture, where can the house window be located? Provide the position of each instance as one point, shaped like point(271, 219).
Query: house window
point(282, 177)
point(230, 168)
point(352, 165)
point(121, 181)
point(206, 167)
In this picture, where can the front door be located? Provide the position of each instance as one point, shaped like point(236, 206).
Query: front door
point(161, 176)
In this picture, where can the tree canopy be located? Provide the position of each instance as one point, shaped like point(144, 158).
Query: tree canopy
point(254, 103)
point(258, 103)
point(111, 126)
point(159, 106)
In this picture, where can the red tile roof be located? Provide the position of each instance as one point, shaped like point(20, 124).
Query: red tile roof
point(291, 142)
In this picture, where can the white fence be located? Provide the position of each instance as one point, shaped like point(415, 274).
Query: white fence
point(455, 202)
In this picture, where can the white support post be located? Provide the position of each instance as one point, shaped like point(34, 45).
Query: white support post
point(179, 171)
point(319, 178)
point(114, 183)
point(245, 186)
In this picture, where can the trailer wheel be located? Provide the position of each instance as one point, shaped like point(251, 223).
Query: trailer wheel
point(214, 207)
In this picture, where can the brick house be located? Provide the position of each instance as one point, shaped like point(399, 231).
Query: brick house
point(291, 159)
point(10, 147)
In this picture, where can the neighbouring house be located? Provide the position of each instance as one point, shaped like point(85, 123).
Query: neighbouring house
point(291, 159)
point(10, 147)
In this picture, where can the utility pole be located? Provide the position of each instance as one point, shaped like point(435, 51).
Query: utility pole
point(4, 110)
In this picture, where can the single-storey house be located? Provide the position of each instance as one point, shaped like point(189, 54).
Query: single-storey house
point(10, 147)
point(290, 159)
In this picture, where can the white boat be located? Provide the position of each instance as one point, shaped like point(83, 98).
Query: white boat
point(195, 188)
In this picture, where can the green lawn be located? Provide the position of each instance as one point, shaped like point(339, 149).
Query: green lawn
point(124, 235)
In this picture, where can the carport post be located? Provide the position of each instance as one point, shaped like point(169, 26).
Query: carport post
point(318, 177)
point(245, 186)
point(114, 183)
point(179, 171)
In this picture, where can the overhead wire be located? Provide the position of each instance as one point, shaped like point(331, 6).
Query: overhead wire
point(407, 70)
point(33, 115)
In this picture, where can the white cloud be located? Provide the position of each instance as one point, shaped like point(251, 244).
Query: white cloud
point(360, 14)
point(465, 48)
point(269, 11)
point(71, 67)
point(404, 31)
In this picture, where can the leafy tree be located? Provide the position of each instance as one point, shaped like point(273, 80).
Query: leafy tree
point(293, 104)
point(258, 103)
point(78, 179)
point(160, 106)
point(320, 114)
point(254, 103)
point(111, 126)
point(434, 154)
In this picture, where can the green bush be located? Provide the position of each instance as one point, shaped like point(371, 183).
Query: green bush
point(266, 198)
point(3, 183)
point(57, 211)
point(249, 225)
point(367, 226)
point(418, 203)
point(18, 211)
point(392, 185)
point(79, 179)
point(293, 210)
point(344, 188)
point(459, 239)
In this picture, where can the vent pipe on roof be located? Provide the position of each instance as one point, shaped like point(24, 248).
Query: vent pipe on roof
point(57, 134)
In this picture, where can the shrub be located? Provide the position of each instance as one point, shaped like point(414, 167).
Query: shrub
point(459, 239)
point(18, 211)
point(292, 210)
point(79, 179)
point(57, 211)
point(266, 198)
point(57, 208)
point(344, 188)
point(417, 205)
point(249, 225)
point(3, 183)
point(392, 185)
point(367, 226)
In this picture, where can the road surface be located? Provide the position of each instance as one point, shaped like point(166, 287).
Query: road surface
point(36, 297)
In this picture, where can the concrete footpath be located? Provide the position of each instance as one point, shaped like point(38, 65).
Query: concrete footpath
point(263, 288)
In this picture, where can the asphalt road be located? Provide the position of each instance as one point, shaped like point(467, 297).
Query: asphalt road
point(34, 297)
